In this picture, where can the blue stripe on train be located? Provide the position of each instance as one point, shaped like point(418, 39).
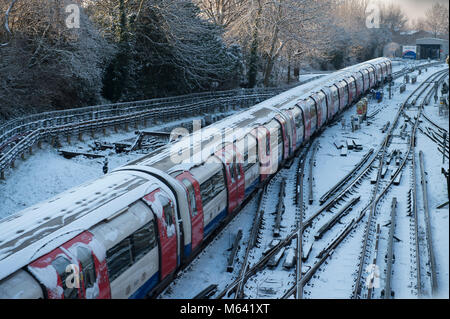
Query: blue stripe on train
point(187, 249)
point(213, 223)
point(252, 186)
point(146, 287)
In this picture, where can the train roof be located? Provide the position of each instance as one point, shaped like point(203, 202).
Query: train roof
point(246, 120)
point(37, 230)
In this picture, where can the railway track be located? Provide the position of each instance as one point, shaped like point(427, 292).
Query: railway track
point(289, 191)
point(350, 226)
point(370, 224)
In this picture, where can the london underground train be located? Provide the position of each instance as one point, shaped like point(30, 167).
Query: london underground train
point(126, 234)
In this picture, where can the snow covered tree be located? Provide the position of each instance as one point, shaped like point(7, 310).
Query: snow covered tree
point(172, 50)
point(47, 63)
point(437, 19)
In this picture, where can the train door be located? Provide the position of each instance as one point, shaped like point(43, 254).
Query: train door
point(318, 109)
point(366, 83)
point(343, 95)
point(307, 119)
point(383, 72)
point(74, 271)
point(293, 131)
point(299, 126)
point(235, 177)
point(351, 85)
point(324, 97)
point(262, 136)
point(164, 211)
point(239, 172)
point(192, 188)
point(379, 75)
point(311, 105)
point(371, 72)
point(358, 84)
point(284, 133)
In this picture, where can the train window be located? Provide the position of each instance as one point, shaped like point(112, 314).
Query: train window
point(191, 196)
point(168, 213)
point(144, 240)
point(212, 187)
point(232, 172)
point(299, 120)
point(237, 168)
point(119, 259)
point(60, 263)
point(312, 111)
point(88, 267)
point(246, 157)
point(248, 162)
point(250, 156)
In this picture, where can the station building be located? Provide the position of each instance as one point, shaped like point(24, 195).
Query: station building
point(432, 48)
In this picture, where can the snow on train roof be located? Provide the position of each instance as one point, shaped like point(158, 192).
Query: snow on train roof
point(37, 230)
point(247, 119)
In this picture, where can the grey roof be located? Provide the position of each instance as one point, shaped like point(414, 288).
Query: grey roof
point(432, 41)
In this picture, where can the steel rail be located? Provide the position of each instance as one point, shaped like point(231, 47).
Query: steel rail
point(431, 258)
point(390, 252)
point(346, 178)
point(416, 225)
point(434, 124)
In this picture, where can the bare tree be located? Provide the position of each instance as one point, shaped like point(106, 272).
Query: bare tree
point(222, 12)
point(47, 64)
point(437, 19)
point(393, 18)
